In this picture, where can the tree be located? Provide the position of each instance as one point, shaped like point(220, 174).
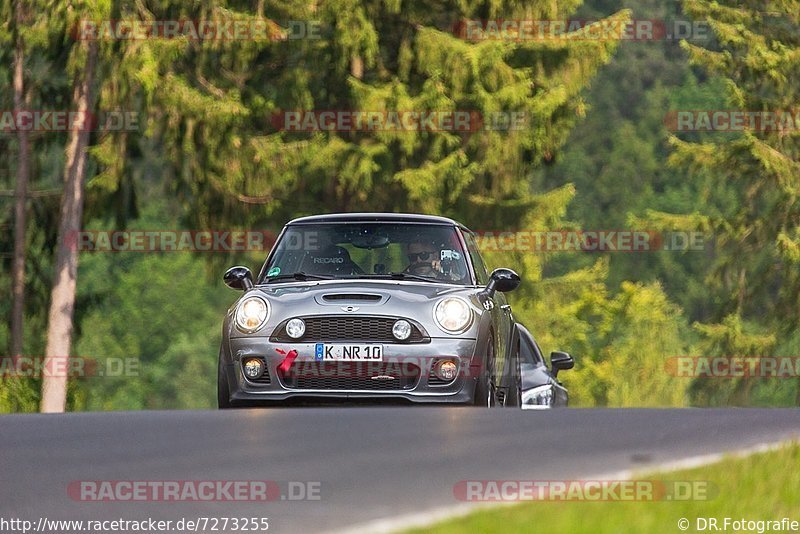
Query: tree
point(617, 160)
point(232, 167)
point(21, 190)
point(758, 244)
point(62, 303)
point(29, 56)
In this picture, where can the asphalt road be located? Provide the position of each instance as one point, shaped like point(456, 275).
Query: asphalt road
point(370, 463)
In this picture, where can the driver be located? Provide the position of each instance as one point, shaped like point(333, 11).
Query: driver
point(424, 260)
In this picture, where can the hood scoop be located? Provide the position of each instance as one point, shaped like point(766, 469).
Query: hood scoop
point(352, 298)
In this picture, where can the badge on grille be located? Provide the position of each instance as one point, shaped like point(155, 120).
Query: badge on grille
point(350, 309)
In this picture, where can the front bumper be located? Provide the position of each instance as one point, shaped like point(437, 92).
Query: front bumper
point(405, 372)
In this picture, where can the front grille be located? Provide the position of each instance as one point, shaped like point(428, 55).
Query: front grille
point(351, 375)
point(264, 379)
point(349, 328)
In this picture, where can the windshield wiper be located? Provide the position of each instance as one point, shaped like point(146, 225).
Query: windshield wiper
point(401, 276)
point(299, 276)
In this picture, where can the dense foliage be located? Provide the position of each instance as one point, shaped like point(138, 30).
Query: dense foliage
point(595, 154)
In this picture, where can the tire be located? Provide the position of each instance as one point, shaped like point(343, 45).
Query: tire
point(223, 389)
point(484, 389)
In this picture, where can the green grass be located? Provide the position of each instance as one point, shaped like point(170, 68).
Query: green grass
point(763, 486)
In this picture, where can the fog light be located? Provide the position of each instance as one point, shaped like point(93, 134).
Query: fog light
point(296, 328)
point(401, 329)
point(446, 370)
point(253, 367)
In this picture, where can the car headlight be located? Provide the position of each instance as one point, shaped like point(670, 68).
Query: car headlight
point(295, 328)
point(453, 314)
point(538, 398)
point(251, 314)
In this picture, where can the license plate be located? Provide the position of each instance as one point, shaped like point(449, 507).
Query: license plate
point(348, 353)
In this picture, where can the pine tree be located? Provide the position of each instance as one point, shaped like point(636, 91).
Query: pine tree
point(227, 160)
point(758, 246)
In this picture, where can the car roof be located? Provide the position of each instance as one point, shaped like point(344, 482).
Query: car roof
point(377, 217)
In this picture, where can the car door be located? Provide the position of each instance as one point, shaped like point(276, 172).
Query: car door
point(500, 310)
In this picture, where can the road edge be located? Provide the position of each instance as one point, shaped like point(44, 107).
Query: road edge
point(436, 515)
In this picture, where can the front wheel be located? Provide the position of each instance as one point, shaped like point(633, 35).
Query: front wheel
point(484, 390)
point(223, 389)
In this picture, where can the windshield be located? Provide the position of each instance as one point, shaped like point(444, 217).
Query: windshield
point(422, 252)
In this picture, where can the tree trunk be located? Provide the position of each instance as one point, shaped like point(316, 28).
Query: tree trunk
point(357, 67)
point(20, 197)
point(62, 301)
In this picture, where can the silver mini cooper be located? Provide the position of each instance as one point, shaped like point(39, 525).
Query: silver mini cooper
point(379, 307)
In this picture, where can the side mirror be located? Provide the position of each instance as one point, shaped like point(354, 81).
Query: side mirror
point(502, 280)
point(560, 361)
point(238, 278)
